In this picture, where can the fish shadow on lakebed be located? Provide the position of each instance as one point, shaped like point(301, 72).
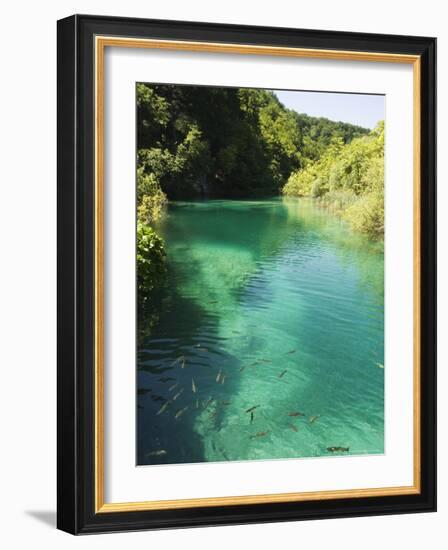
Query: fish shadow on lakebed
point(177, 382)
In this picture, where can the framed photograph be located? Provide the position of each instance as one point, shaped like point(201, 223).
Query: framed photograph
point(246, 274)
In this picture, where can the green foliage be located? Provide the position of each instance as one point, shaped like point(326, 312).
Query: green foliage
point(150, 260)
point(150, 198)
point(314, 179)
point(367, 214)
point(151, 272)
point(154, 112)
point(349, 179)
point(228, 142)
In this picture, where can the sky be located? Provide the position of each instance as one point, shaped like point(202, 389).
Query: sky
point(361, 109)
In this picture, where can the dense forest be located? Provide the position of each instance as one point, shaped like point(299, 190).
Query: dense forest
point(225, 142)
point(348, 179)
point(197, 141)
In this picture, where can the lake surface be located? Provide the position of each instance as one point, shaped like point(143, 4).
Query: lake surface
point(270, 342)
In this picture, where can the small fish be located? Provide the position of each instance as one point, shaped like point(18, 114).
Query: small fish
point(265, 360)
point(293, 428)
point(259, 434)
point(225, 402)
point(163, 408)
point(251, 417)
point(180, 412)
point(218, 375)
point(291, 351)
point(183, 363)
point(160, 452)
point(338, 449)
point(296, 414)
point(180, 358)
point(252, 408)
point(242, 368)
point(282, 374)
point(201, 348)
point(223, 379)
point(255, 363)
point(180, 392)
point(213, 301)
point(193, 386)
point(236, 332)
point(314, 418)
point(379, 365)
point(173, 387)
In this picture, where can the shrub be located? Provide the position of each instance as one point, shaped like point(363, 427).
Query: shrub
point(151, 268)
point(348, 179)
point(150, 198)
point(367, 214)
point(299, 184)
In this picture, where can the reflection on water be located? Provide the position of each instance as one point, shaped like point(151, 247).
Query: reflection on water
point(270, 341)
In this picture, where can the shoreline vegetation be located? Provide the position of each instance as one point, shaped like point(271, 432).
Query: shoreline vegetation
point(198, 142)
point(348, 179)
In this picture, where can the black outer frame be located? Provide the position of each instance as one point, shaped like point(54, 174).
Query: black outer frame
point(75, 403)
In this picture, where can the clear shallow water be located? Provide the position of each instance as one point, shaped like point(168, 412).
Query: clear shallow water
point(273, 304)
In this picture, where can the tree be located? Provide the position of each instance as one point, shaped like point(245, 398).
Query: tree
point(350, 179)
point(227, 142)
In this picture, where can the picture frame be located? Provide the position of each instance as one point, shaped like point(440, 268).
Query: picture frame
point(82, 42)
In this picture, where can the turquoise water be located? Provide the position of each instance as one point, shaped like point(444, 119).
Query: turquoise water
point(273, 304)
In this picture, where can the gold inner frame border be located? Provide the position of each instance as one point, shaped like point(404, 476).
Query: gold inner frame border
point(101, 42)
